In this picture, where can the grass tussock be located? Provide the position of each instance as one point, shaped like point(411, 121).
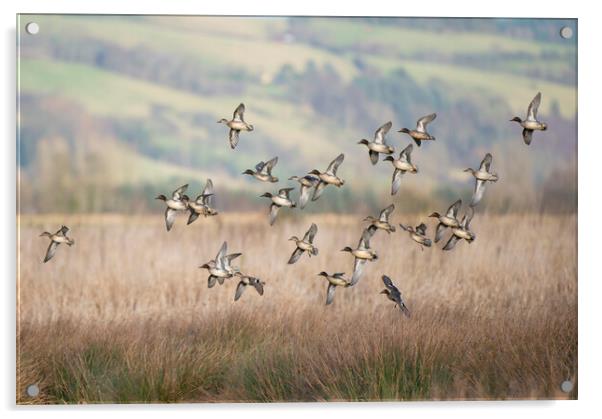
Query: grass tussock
point(125, 315)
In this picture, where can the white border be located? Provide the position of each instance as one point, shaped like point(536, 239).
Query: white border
point(590, 208)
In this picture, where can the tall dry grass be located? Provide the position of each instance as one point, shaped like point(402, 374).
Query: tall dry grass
point(125, 315)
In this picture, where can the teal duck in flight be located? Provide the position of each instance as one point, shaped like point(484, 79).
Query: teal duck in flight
point(382, 222)
point(329, 177)
point(394, 295)
point(279, 201)
point(362, 254)
point(450, 219)
point(531, 123)
point(335, 280)
point(177, 203)
point(307, 182)
point(462, 231)
point(263, 171)
point(220, 268)
point(304, 245)
point(418, 234)
point(401, 165)
point(482, 176)
point(379, 144)
point(55, 239)
point(203, 204)
point(236, 125)
point(246, 281)
point(420, 134)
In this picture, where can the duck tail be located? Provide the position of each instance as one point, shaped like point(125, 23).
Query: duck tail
point(314, 251)
point(418, 142)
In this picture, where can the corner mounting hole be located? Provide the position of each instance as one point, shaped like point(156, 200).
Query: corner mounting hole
point(33, 390)
point(32, 28)
point(566, 386)
point(566, 32)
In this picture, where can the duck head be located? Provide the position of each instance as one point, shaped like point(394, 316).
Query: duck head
point(248, 172)
point(405, 130)
point(222, 121)
point(47, 234)
point(315, 172)
point(363, 141)
point(385, 291)
point(208, 265)
point(324, 274)
point(294, 238)
point(161, 197)
point(435, 215)
point(347, 249)
point(266, 195)
point(471, 171)
point(516, 119)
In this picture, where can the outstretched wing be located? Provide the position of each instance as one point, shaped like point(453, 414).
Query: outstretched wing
point(51, 250)
point(240, 288)
point(404, 309)
point(221, 254)
point(177, 194)
point(239, 113)
point(534, 107)
point(367, 234)
point(270, 165)
point(258, 286)
point(318, 190)
point(303, 195)
point(527, 136)
point(396, 181)
point(452, 211)
point(284, 192)
point(373, 156)
point(468, 218)
point(170, 217)
point(358, 270)
point(208, 193)
point(334, 165)
point(388, 283)
point(421, 229)
point(295, 256)
point(62, 231)
point(479, 190)
point(273, 213)
point(193, 216)
point(233, 137)
point(422, 122)
point(439, 232)
point(451, 243)
point(330, 293)
point(379, 135)
point(384, 214)
point(311, 233)
point(486, 163)
point(211, 280)
point(406, 153)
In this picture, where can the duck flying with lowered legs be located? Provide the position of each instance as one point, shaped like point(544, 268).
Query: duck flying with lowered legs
point(304, 245)
point(220, 268)
point(329, 177)
point(401, 165)
point(418, 234)
point(382, 222)
point(378, 145)
point(531, 123)
point(462, 231)
point(335, 280)
point(203, 204)
point(420, 134)
point(244, 282)
point(178, 202)
point(362, 254)
point(307, 182)
point(394, 295)
point(279, 201)
point(236, 125)
point(450, 219)
point(482, 176)
point(263, 171)
point(55, 239)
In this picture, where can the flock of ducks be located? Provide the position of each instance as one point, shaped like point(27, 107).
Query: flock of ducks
point(221, 267)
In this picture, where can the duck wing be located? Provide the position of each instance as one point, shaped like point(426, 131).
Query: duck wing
point(193, 216)
point(534, 107)
point(233, 137)
point(311, 233)
point(479, 190)
point(330, 293)
point(439, 232)
point(467, 218)
point(270, 165)
point(405, 155)
point(527, 136)
point(208, 193)
point(396, 181)
point(422, 122)
point(384, 214)
point(451, 243)
point(273, 213)
point(373, 156)
point(295, 256)
point(284, 192)
point(318, 190)
point(404, 309)
point(334, 165)
point(358, 270)
point(62, 231)
point(367, 234)
point(211, 280)
point(258, 286)
point(221, 254)
point(170, 217)
point(421, 229)
point(177, 194)
point(240, 288)
point(303, 195)
point(389, 284)
point(379, 135)
point(239, 113)
point(51, 250)
point(486, 163)
point(452, 211)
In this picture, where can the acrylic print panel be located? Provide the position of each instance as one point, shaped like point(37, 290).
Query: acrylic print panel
point(391, 215)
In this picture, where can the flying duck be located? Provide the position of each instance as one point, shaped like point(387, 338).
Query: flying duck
point(394, 295)
point(220, 268)
point(178, 202)
point(482, 176)
point(382, 222)
point(236, 125)
point(462, 231)
point(531, 123)
point(55, 239)
point(335, 280)
point(203, 203)
point(401, 165)
point(450, 219)
point(329, 177)
point(307, 182)
point(362, 253)
point(420, 134)
point(263, 171)
point(244, 282)
point(305, 244)
point(418, 234)
point(278, 201)
point(378, 145)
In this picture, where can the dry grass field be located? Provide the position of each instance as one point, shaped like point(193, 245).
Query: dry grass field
point(125, 315)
